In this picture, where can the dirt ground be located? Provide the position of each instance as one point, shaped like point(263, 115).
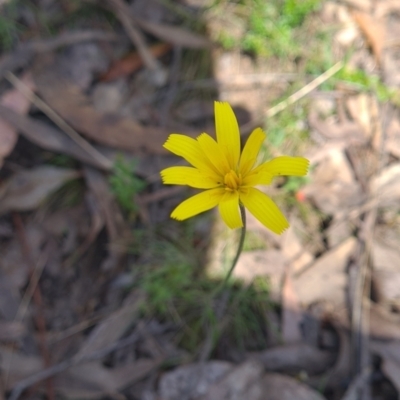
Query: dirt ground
point(102, 295)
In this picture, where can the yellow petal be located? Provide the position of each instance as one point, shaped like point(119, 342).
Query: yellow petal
point(227, 131)
point(257, 178)
point(284, 165)
point(229, 210)
point(189, 149)
point(264, 209)
point(197, 204)
point(214, 153)
point(251, 150)
point(187, 176)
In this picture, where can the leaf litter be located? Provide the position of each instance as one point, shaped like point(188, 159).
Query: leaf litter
point(95, 252)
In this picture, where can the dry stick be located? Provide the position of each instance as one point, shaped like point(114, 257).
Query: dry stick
point(37, 298)
point(47, 373)
point(123, 13)
point(360, 310)
point(24, 89)
point(304, 91)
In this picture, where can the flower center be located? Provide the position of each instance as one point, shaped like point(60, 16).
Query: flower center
point(232, 181)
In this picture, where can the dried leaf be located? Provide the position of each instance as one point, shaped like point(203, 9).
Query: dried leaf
point(266, 263)
point(27, 189)
point(312, 285)
point(386, 273)
point(392, 142)
point(109, 129)
point(364, 110)
point(49, 138)
point(113, 327)
point(295, 357)
point(174, 34)
point(17, 365)
point(333, 187)
point(294, 251)
point(386, 185)
point(383, 324)
point(132, 62)
point(340, 135)
point(16, 101)
point(374, 32)
point(281, 387)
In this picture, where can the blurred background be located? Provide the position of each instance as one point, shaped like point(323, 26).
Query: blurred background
point(103, 296)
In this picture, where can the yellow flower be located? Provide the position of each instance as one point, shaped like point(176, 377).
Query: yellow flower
point(228, 175)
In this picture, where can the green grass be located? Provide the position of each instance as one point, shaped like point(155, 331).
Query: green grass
point(10, 28)
point(178, 289)
point(125, 185)
point(269, 27)
point(361, 81)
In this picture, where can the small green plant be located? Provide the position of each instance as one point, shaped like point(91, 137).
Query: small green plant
point(365, 82)
point(270, 27)
point(9, 26)
point(178, 289)
point(294, 183)
point(125, 184)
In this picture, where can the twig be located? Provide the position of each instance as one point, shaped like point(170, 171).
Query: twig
point(21, 386)
point(64, 126)
point(123, 13)
point(305, 90)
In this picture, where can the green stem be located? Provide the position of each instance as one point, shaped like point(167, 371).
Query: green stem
point(240, 247)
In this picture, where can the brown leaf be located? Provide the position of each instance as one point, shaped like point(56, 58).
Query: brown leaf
point(295, 357)
point(174, 34)
point(113, 327)
point(294, 251)
point(281, 387)
point(132, 62)
point(267, 263)
point(16, 101)
point(326, 279)
point(109, 128)
point(392, 142)
point(333, 187)
point(17, 365)
point(26, 189)
point(49, 138)
point(383, 324)
point(386, 185)
point(374, 32)
point(386, 273)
